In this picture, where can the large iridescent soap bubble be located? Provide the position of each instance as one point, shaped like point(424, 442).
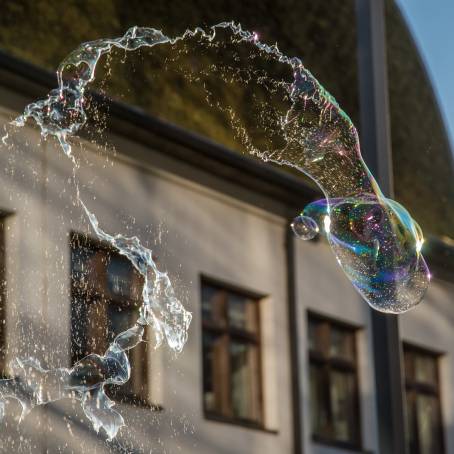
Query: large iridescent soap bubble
point(374, 238)
point(378, 245)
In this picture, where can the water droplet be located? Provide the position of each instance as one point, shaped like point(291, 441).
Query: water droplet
point(304, 227)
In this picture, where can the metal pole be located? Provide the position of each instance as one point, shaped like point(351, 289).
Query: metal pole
point(296, 366)
point(376, 150)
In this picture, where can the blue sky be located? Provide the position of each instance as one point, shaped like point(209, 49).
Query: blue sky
point(432, 25)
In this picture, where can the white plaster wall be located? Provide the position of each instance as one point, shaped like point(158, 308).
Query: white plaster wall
point(193, 231)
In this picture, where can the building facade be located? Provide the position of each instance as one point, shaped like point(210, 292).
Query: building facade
point(280, 355)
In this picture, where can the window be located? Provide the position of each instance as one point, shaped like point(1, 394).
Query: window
point(232, 388)
point(106, 296)
point(333, 383)
point(2, 298)
point(424, 422)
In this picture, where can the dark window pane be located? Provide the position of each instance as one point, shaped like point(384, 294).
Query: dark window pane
point(318, 402)
point(80, 261)
point(428, 424)
point(425, 434)
point(412, 441)
point(101, 308)
point(244, 363)
point(119, 319)
point(408, 364)
point(119, 277)
point(136, 388)
point(231, 355)
point(342, 343)
point(242, 312)
point(425, 369)
point(316, 339)
point(342, 389)
point(83, 266)
point(214, 373)
point(213, 305)
point(96, 328)
point(333, 384)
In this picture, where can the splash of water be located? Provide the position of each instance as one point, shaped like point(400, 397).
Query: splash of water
point(32, 385)
point(300, 125)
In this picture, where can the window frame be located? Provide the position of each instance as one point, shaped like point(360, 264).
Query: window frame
point(227, 332)
point(413, 388)
point(330, 365)
point(94, 296)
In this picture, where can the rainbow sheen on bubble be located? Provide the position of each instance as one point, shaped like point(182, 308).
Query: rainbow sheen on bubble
point(378, 245)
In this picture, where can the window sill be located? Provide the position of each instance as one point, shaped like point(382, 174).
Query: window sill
point(239, 423)
point(339, 445)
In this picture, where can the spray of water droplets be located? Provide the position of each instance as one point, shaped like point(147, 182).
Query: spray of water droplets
point(291, 120)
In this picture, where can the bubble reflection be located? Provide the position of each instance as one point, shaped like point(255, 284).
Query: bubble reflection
point(305, 227)
point(378, 245)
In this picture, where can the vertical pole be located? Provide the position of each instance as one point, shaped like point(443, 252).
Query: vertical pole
point(376, 147)
point(296, 366)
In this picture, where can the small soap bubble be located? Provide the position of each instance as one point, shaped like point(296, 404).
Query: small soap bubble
point(304, 227)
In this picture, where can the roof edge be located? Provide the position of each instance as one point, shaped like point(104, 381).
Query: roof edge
point(192, 148)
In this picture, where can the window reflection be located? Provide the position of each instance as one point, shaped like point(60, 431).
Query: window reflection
point(214, 393)
point(242, 312)
point(342, 343)
point(213, 305)
point(105, 301)
point(333, 383)
point(424, 422)
point(425, 368)
point(119, 276)
point(243, 386)
point(319, 413)
point(343, 404)
point(231, 355)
